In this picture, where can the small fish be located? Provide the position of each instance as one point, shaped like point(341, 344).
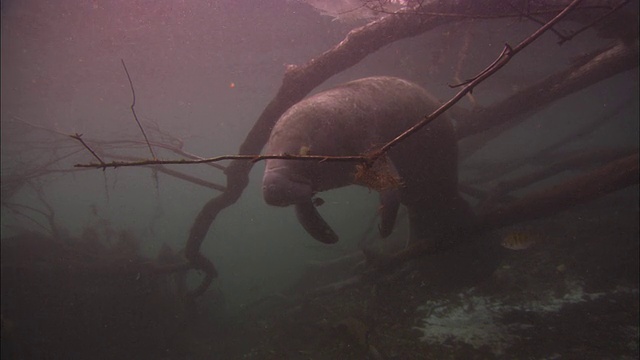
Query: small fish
point(317, 201)
point(518, 240)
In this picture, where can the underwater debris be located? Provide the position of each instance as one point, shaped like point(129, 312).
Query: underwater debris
point(166, 255)
point(519, 240)
point(380, 176)
point(479, 320)
point(358, 332)
point(7, 326)
point(126, 247)
point(355, 329)
point(317, 201)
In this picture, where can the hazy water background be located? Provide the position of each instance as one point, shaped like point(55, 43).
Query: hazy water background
point(61, 69)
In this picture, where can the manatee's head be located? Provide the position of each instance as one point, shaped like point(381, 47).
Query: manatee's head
point(284, 185)
point(286, 182)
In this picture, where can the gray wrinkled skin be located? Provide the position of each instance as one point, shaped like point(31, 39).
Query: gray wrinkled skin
point(352, 119)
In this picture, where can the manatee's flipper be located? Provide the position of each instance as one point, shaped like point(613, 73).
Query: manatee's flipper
point(315, 225)
point(389, 204)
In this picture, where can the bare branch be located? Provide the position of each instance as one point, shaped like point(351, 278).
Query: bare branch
point(176, 174)
point(15, 208)
point(133, 110)
point(608, 178)
point(527, 15)
point(564, 39)
point(543, 155)
point(602, 65)
point(572, 161)
point(252, 158)
point(79, 138)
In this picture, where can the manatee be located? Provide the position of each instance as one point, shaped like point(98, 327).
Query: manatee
point(352, 119)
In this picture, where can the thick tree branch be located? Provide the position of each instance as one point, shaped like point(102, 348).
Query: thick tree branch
point(509, 112)
point(608, 178)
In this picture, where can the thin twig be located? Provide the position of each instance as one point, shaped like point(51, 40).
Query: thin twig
point(133, 110)
point(16, 118)
point(132, 143)
point(176, 174)
point(252, 158)
point(485, 70)
point(13, 208)
point(462, 57)
point(79, 138)
point(600, 18)
point(527, 15)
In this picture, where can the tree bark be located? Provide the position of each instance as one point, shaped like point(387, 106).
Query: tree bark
point(498, 118)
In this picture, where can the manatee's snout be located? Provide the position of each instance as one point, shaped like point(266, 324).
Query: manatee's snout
point(278, 189)
point(283, 187)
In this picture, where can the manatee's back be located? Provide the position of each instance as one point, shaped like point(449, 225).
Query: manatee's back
point(356, 116)
point(364, 114)
point(427, 161)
